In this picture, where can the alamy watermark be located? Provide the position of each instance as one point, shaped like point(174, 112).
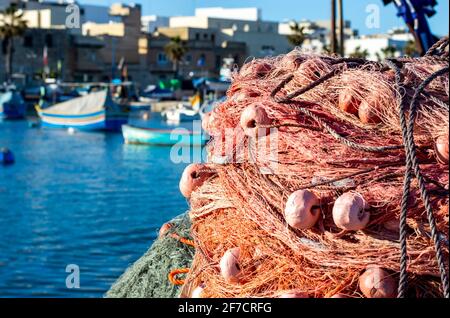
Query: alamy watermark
point(373, 18)
point(73, 279)
point(73, 16)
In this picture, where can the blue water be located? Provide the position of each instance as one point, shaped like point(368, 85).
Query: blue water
point(86, 199)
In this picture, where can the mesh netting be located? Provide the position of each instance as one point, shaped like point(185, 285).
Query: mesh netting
point(329, 126)
point(147, 277)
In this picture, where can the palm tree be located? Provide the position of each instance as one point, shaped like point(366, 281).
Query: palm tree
point(12, 25)
point(175, 51)
point(297, 37)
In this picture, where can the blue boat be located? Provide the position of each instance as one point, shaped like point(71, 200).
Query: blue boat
point(95, 111)
point(163, 137)
point(12, 105)
point(139, 106)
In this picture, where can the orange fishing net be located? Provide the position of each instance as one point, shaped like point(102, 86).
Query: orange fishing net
point(341, 135)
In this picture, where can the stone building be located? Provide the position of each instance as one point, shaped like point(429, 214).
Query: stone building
point(204, 57)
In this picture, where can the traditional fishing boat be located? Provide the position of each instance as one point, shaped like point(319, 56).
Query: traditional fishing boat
point(163, 137)
point(95, 111)
point(12, 105)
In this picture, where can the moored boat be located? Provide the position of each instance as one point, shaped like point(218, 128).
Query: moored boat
point(95, 111)
point(163, 137)
point(184, 112)
point(12, 105)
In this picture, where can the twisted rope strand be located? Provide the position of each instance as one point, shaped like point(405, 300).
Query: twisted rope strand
point(423, 191)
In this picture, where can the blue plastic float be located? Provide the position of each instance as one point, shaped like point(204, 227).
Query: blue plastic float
point(6, 156)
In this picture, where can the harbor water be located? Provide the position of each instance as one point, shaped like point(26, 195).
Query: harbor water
point(79, 200)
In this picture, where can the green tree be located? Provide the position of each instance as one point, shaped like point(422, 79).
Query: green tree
point(411, 48)
point(175, 50)
point(297, 37)
point(387, 52)
point(12, 25)
point(358, 53)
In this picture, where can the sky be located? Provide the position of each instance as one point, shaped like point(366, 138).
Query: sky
point(279, 10)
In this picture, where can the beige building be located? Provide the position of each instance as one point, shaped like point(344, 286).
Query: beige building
point(239, 25)
point(203, 57)
point(45, 14)
point(70, 55)
point(124, 43)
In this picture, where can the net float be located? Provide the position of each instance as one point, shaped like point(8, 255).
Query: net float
point(302, 209)
point(349, 212)
point(229, 265)
point(6, 156)
point(292, 61)
point(243, 95)
point(198, 291)
point(252, 117)
point(164, 229)
point(367, 113)
point(441, 148)
point(312, 70)
point(348, 102)
point(294, 294)
point(193, 177)
point(375, 282)
point(262, 69)
point(256, 69)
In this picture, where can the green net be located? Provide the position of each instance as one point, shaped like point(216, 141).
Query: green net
point(147, 277)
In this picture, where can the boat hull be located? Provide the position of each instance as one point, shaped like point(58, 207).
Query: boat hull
point(95, 121)
point(14, 114)
point(148, 136)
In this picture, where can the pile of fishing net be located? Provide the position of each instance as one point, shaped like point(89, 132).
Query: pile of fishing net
point(326, 177)
point(148, 277)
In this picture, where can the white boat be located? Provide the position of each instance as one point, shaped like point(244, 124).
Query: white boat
point(183, 112)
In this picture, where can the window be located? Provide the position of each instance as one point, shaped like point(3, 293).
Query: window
point(162, 58)
point(213, 38)
point(197, 36)
point(28, 41)
point(205, 36)
point(246, 28)
point(188, 58)
point(267, 50)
